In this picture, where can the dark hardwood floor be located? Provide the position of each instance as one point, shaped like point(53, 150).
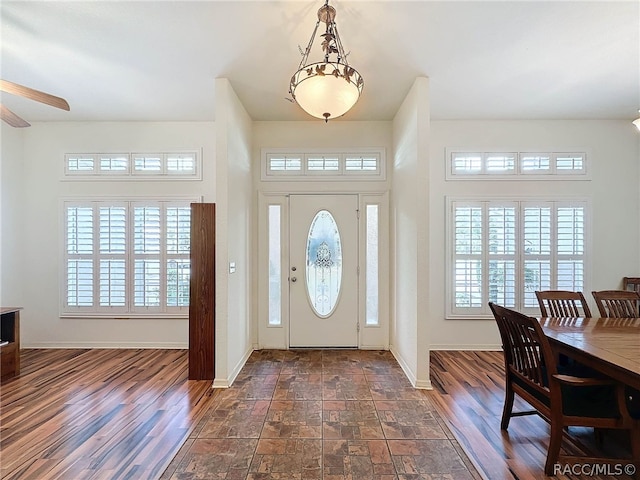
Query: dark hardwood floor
point(469, 394)
point(97, 414)
point(132, 414)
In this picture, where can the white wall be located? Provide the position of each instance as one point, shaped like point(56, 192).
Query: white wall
point(12, 218)
point(410, 244)
point(234, 211)
point(614, 166)
point(30, 209)
point(44, 147)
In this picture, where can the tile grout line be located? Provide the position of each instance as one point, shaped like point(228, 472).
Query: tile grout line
point(324, 377)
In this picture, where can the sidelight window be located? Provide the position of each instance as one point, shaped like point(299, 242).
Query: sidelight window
point(371, 279)
point(275, 269)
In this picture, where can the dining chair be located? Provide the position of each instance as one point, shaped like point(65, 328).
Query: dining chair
point(562, 303)
point(631, 283)
point(561, 399)
point(617, 303)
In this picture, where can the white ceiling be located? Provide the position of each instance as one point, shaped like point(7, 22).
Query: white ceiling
point(157, 60)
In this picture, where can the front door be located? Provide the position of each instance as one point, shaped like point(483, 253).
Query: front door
point(323, 271)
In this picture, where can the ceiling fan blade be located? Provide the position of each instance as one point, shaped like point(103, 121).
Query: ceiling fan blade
point(32, 94)
point(11, 118)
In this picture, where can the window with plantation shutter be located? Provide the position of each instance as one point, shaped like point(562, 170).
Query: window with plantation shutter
point(148, 163)
point(279, 164)
point(504, 250)
point(535, 163)
point(570, 247)
point(111, 257)
point(177, 261)
point(79, 164)
point(474, 165)
point(79, 253)
point(127, 258)
point(569, 162)
point(181, 164)
point(146, 253)
point(323, 163)
point(114, 163)
point(501, 225)
point(365, 163)
point(466, 163)
point(129, 166)
point(283, 164)
point(468, 255)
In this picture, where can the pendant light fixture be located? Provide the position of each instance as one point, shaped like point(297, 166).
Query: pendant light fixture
point(328, 88)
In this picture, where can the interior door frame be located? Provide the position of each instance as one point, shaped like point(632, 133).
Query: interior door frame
point(268, 336)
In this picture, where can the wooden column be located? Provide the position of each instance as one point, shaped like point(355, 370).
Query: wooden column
point(202, 292)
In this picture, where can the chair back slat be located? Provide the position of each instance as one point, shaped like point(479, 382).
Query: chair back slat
point(631, 283)
point(531, 373)
point(563, 308)
point(618, 303)
point(562, 303)
point(527, 352)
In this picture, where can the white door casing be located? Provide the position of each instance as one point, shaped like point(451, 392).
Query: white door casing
point(323, 315)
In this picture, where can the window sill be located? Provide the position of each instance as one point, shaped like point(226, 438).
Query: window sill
point(109, 316)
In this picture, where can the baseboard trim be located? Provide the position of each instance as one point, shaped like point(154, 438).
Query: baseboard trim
point(220, 383)
point(405, 368)
point(108, 345)
point(227, 382)
point(423, 385)
point(472, 347)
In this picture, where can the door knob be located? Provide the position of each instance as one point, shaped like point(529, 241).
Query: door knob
point(294, 279)
point(293, 269)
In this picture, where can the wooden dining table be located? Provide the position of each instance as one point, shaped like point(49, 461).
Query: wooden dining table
point(608, 345)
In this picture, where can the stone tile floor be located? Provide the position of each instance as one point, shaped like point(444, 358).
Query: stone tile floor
point(321, 414)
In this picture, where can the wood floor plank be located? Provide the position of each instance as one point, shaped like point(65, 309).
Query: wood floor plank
point(93, 414)
point(469, 394)
point(125, 414)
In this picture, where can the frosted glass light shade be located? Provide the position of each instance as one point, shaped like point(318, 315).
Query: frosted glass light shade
point(636, 122)
point(326, 90)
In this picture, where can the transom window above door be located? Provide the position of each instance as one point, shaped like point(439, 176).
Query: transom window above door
point(279, 164)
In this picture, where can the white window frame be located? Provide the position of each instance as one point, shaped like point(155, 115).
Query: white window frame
point(129, 310)
point(304, 173)
point(130, 173)
point(483, 311)
point(518, 172)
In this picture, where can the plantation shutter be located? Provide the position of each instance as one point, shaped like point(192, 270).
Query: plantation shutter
point(79, 249)
point(112, 255)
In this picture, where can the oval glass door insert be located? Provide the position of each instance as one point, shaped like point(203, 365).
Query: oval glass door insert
point(324, 264)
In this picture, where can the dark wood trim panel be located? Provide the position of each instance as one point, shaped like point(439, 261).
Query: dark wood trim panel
point(202, 292)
